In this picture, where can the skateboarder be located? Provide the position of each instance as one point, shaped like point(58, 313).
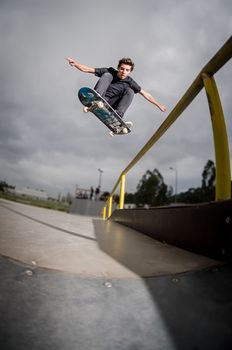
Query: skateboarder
point(116, 86)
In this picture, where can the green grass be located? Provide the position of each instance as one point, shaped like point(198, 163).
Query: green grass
point(48, 204)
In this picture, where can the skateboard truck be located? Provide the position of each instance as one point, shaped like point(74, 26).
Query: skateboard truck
point(94, 105)
point(121, 129)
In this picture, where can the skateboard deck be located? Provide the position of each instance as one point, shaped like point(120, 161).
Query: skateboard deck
point(103, 111)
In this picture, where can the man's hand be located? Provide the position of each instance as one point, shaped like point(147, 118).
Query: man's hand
point(81, 67)
point(71, 61)
point(162, 108)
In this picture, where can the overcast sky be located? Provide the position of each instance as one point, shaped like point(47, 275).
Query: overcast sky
point(46, 141)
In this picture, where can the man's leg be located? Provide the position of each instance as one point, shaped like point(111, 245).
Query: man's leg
point(124, 102)
point(103, 83)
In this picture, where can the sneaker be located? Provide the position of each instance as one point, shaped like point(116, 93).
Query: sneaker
point(129, 124)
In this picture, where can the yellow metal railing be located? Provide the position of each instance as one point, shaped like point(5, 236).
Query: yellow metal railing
point(203, 80)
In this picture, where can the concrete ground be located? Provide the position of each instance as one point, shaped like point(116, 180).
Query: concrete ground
point(75, 282)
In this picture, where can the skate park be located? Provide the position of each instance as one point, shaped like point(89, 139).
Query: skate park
point(156, 278)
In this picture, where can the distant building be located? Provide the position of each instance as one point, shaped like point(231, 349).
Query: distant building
point(29, 192)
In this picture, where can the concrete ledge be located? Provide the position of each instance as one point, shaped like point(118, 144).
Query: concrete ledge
point(200, 228)
point(86, 207)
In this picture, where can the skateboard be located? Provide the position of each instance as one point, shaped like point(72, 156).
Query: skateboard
point(96, 104)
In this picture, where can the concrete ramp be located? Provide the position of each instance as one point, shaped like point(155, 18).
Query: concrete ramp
point(88, 246)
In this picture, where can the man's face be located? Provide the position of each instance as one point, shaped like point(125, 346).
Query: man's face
point(123, 71)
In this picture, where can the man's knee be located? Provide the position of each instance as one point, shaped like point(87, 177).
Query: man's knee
point(103, 83)
point(107, 77)
point(106, 74)
point(128, 91)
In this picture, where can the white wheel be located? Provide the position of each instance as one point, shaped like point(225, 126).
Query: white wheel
point(111, 133)
point(86, 109)
point(100, 104)
point(125, 131)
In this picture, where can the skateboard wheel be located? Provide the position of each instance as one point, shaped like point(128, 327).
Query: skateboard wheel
point(100, 104)
point(86, 109)
point(125, 131)
point(111, 133)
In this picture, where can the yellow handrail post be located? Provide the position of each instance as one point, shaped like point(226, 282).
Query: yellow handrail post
point(222, 154)
point(104, 213)
point(110, 206)
point(122, 191)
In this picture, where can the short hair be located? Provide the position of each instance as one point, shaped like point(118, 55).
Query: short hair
point(127, 61)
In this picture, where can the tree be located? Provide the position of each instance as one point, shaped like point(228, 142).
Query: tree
point(206, 192)
point(4, 186)
point(193, 195)
point(209, 175)
point(129, 197)
point(152, 190)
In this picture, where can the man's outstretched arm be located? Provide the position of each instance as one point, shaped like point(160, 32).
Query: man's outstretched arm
point(81, 67)
point(152, 100)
